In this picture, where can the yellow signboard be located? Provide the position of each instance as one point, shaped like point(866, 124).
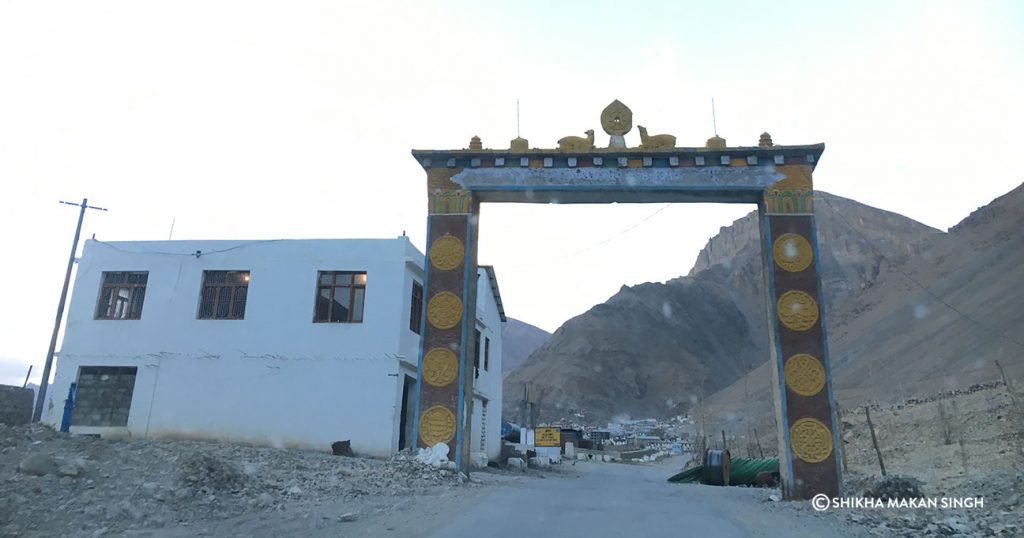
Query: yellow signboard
point(548, 437)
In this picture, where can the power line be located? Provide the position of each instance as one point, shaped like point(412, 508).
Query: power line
point(623, 232)
point(914, 280)
point(608, 239)
point(195, 254)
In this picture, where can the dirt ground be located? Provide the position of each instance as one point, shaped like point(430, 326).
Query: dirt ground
point(964, 443)
point(974, 434)
point(58, 485)
point(54, 484)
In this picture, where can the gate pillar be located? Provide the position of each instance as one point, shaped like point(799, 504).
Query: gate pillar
point(804, 405)
point(444, 384)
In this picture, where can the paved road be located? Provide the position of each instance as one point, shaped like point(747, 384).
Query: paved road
point(628, 500)
point(590, 500)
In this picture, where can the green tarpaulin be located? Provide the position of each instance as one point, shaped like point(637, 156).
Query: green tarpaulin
point(742, 471)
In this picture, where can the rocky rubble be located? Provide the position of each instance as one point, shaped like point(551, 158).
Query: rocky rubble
point(894, 487)
point(54, 484)
point(1000, 514)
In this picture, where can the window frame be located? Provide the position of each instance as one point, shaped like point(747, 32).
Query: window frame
point(99, 370)
point(477, 338)
point(234, 287)
point(353, 287)
point(415, 312)
point(487, 354)
point(133, 287)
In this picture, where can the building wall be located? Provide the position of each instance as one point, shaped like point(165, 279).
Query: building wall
point(274, 377)
point(488, 385)
point(15, 405)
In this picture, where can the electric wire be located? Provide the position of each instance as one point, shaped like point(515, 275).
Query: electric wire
point(914, 280)
point(623, 232)
point(192, 254)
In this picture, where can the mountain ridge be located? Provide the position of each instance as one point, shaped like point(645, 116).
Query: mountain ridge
point(654, 348)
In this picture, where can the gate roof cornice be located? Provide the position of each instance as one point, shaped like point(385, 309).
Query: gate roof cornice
point(609, 157)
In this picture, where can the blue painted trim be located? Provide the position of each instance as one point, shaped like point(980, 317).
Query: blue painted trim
point(423, 333)
point(460, 419)
point(753, 189)
point(826, 360)
point(69, 408)
point(774, 321)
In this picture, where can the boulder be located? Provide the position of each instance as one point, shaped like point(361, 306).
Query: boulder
point(71, 467)
point(342, 448)
point(540, 463)
point(38, 464)
point(895, 487)
point(478, 460)
point(436, 455)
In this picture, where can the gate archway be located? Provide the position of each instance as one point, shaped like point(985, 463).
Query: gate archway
point(775, 178)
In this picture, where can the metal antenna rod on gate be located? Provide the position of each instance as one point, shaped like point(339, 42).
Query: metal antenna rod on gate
point(44, 382)
point(714, 120)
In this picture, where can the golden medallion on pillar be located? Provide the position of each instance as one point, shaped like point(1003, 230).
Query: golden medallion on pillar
point(797, 310)
point(437, 425)
point(804, 374)
point(444, 310)
point(792, 252)
point(447, 252)
point(440, 367)
point(810, 440)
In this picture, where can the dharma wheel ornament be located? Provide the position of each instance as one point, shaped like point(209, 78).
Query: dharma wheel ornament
point(617, 120)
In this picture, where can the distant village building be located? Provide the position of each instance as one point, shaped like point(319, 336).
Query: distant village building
point(290, 343)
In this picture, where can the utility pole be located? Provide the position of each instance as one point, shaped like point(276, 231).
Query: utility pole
point(45, 381)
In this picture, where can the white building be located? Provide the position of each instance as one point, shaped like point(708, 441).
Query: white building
point(294, 343)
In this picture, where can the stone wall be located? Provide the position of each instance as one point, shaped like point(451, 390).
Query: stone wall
point(15, 405)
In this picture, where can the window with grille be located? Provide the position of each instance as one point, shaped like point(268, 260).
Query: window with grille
point(416, 310)
point(122, 294)
point(224, 295)
point(340, 296)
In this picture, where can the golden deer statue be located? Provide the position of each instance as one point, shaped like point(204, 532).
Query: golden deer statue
point(577, 143)
point(656, 141)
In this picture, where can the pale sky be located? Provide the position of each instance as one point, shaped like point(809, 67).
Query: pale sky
point(254, 120)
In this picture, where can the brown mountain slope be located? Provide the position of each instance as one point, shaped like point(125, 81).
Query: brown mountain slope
point(653, 346)
point(518, 340)
point(631, 353)
point(899, 338)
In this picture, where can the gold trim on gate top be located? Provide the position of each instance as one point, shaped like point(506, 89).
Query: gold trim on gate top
point(444, 310)
point(792, 252)
point(447, 253)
